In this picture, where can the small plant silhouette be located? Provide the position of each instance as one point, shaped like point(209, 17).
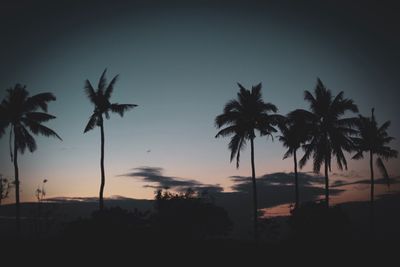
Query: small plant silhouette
point(5, 187)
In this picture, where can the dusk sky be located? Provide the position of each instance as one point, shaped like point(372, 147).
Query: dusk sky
point(180, 63)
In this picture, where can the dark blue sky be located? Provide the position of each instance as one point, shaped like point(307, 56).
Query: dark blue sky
point(180, 63)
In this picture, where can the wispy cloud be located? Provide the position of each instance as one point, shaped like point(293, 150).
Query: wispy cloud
point(154, 176)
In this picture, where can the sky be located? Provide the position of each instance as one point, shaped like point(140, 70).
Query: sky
point(180, 62)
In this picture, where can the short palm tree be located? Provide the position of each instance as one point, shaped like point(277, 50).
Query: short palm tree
point(373, 139)
point(100, 98)
point(20, 111)
point(242, 117)
point(331, 133)
point(295, 132)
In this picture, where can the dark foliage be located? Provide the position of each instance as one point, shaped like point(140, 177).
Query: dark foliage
point(176, 216)
point(188, 216)
point(313, 222)
point(111, 224)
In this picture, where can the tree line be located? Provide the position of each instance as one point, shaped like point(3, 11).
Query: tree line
point(322, 132)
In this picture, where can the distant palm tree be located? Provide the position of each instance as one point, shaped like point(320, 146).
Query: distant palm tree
point(295, 132)
point(100, 98)
point(19, 111)
point(374, 140)
point(242, 117)
point(330, 132)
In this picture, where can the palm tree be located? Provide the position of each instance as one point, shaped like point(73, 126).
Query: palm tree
point(373, 139)
point(330, 132)
point(242, 117)
point(100, 98)
point(19, 111)
point(295, 132)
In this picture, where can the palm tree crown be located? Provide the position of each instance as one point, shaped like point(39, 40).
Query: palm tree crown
point(244, 116)
point(295, 131)
point(100, 98)
point(330, 132)
point(19, 110)
point(372, 137)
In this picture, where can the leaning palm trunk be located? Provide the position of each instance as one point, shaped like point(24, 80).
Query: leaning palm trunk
point(326, 183)
point(17, 205)
point(296, 180)
point(103, 178)
point(372, 226)
point(255, 205)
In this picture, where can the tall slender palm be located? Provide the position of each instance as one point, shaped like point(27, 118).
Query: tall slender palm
point(295, 132)
point(330, 133)
point(100, 98)
point(242, 117)
point(373, 139)
point(20, 112)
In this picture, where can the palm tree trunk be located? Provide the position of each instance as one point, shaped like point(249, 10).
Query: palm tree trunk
point(296, 180)
point(103, 178)
point(326, 182)
point(371, 165)
point(255, 205)
point(16, 171)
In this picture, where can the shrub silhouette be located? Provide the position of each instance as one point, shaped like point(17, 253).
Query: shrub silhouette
point(113, 223)
point(179, 216)
point(189, 216)
point(312, 221)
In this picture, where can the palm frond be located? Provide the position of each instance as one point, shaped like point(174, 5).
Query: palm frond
point(90, 92)
point(386, 152)
point(227, 118)
point(226, 131)
point(358, 155)
point(384, 126)
point(38, 128)
point(102, 82)
point(309, 97)
point(121, 108)
point(4, 121)
point(93, 122)
point(23, 140)
point(232, 106)
point(288, 153)
point(242, 144)
point(39, 116)
point(110, 87)
point(383, 171)
point(39, 101)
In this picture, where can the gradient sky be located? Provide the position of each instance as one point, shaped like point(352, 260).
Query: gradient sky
point(180, 63)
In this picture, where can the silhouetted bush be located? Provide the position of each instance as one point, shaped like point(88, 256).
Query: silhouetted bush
point(313, 221)
point(178, 216)
point(110, 224)
point(189, 216)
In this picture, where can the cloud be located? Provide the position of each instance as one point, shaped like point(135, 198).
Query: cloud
point(281, 178)
point(348, 174)
point(278, 188)
point(154, 176)
point(383, 181)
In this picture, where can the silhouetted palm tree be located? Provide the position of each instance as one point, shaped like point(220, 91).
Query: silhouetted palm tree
point(100, 98)
point(295, 132)
point(19, 111)
point(373, 139)
point(243, 117)
point(330, 131)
